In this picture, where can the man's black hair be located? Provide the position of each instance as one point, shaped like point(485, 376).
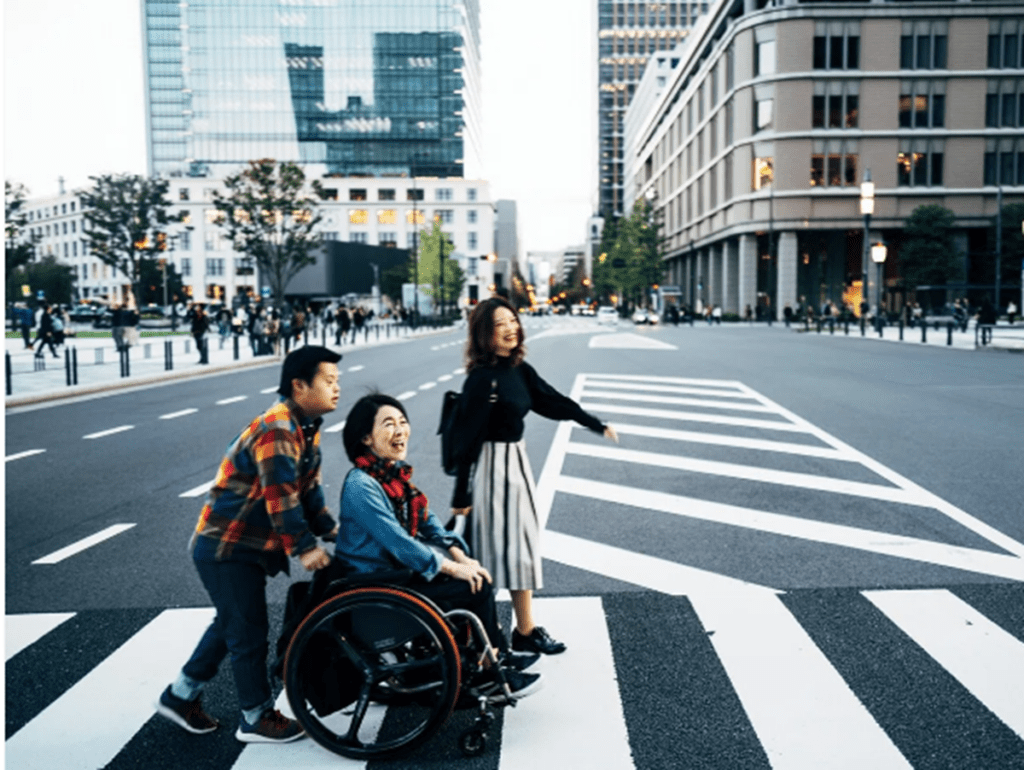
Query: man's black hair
point(302, 364)
point(359, 423)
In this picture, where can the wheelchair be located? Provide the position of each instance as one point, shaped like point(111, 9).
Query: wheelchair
point(372, 669)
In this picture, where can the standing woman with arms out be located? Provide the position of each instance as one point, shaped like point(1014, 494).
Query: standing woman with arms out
point(498, 488)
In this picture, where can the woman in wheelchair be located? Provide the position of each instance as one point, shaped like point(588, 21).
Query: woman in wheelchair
point(385, 636)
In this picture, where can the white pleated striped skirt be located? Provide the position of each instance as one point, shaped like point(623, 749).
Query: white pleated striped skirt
point(505, 530)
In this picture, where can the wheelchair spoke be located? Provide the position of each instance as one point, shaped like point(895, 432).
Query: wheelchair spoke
point(359, 713)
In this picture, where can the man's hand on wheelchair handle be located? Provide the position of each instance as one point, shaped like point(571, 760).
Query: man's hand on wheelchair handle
point(314, 559)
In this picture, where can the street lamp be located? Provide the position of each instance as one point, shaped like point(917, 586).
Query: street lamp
point(878, 254)
point(867, 208)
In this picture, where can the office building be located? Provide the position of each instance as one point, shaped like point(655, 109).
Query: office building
point(345, 88)
point(755, 151)
point(629, 33)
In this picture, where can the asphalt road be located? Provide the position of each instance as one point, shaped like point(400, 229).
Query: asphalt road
point(789, 528)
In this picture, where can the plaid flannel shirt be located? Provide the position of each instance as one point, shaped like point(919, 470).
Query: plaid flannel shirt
point(266, 500)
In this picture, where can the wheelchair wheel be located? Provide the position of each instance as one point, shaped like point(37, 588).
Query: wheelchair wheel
point(372, 672)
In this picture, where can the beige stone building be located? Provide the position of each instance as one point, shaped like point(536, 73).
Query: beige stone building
point(755, 152)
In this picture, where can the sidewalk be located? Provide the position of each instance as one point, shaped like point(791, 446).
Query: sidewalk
point(99, 365)
point(1004, 337)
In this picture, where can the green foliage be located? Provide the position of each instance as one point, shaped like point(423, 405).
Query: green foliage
point(268, 214)
point(47, 275)
point(392, 278)
point(928, 255)
point(633, 263)
point(435, 246)
point(151, 283)
point(17, 250)
point(125, 214)
point(1013, 246)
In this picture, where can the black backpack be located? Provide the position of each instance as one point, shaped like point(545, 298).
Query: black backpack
point(453, 415)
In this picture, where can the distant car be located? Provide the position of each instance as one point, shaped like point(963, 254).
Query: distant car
point(641, 316)
point(151, 311)
point(84, 313)
point(607, 315)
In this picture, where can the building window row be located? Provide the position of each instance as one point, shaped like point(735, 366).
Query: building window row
point(1004, 162)
point(837, 107)
point(836, 46)
point(922, 104)
point(919, 164)
point(923, 45)
point(834, 164)
point(1004, 107)
point(1005, 47)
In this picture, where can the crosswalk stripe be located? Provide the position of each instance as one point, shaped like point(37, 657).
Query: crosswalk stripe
point(89, 724)
point(746, 472)
point(738, 442)
point(581, 683)
point(26, 453)
point(671, 414)
point(734, 384)
point(820, 722)
point(270, 390)
point(21, 631)
point(337, 428)
point(202, 489)
point(676, 389)
point(676, 400)
point(81, 545)
point(984, 658)
point(900, 546)
point(667, 577)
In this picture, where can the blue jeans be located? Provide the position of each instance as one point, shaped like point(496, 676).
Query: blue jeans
point(238, 591)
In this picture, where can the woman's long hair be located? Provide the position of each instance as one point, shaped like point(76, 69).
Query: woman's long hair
point(480, 346)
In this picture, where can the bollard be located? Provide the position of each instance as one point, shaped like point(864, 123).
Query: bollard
point(236, 347)
point(901, 330)
point(38, 364)
point(126, 370)
point(9, 383)
point(67, 367)
point(924, 332)
point(881, 325)
point(305, 335)
point(147, 350)
point(862, 324)
point(168, 356)
point(74, 366)
point(204, 350)
point(949, 332)
point(188, 347)
point(846, 326)
point(819, 326)
point(366, 334)
point(323, 336)
point(378, 332)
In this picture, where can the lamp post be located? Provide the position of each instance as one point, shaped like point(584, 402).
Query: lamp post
point(878, 254)
point(867, 208)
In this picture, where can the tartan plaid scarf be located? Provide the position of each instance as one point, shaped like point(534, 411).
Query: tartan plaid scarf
point(409, 503)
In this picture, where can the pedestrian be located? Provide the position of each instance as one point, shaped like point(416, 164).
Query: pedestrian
point(27, 319)
point(117, 326)
point(265, 505)
point(717, 315)
point(200, 325)
point(298, 324)
point(986, 320)
point(499, 390)
point(384, 521)
point(1011, 311)
point(129, 323)
point(748, 314)
point(44, 336)
point(787, 314)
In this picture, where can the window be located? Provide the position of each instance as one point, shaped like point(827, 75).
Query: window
point(186, 267)
point(730, 68)
point(386, 194)
point(923, 45)
point(835, 104)
point(471, 216)
point(764, 173)
point(1004, 106)
point(443, 194)
point(183, 194)
point(764, 57)
point(834, 164)
point(357, 194)
point(471, 194)
point(444, 216)
point(414, 194)
point(411, 240)
point(185, 240)
point(471, 240)
point(763, 114)
point(357, 238)
point(728, 123)
point(1004, 162)
point(209, 241)
point(358, 216)
point(471, 266)
point(1004, 43)
point(836, 46)
point(215, 266)
point(922, 104)
point(920, 164)
point(329, 235)
point(386, 216)
point(330, 194)
point(387, 238)
point(1009, 116)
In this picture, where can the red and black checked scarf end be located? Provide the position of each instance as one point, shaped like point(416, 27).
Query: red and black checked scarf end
point(409, 503)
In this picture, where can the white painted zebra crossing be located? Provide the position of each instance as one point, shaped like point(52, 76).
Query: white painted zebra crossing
point(804, 714)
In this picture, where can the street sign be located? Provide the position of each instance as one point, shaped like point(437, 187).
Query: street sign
point(265, 292)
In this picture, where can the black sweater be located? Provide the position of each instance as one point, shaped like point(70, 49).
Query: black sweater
point(519, 390)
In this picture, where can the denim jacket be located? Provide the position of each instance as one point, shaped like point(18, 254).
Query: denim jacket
point(370, 538)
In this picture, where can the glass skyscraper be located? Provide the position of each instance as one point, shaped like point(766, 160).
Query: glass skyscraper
point(628, 33)
point(345, 87)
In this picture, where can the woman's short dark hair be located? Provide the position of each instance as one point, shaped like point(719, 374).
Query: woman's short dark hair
point(359, 423)
point(480, 346)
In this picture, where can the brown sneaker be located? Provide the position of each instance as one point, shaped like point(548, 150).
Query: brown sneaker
point(273, 727)
point(187, 714)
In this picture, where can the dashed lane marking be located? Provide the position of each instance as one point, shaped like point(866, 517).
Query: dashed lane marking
point(428, 385)
point(335, 428)
point(83, 544)
point(407, 395)
point(444, 378)
point(175, 415)
point(110, 432)
point(26, 453)
point(202, 489)
point(231, 400)
point(357, 368)
point(270, 390)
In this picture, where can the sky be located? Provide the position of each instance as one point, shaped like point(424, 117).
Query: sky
point(73, 104)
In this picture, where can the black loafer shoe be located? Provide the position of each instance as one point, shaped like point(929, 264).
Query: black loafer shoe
point(537, 640)
point(518, 661)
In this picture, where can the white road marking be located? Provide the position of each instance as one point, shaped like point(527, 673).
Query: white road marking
point(110, 432)
point(746, 472)
point(20, 631)
point(202, 489)
point(84, 543)
point(428, 385)
point(100, 714)
point(444, 378)
point(407, 395)
point(739, 442)
point(270, 390)
point(460, 370)
point(629, 342)
point(174, 415)
point(668, 414)
point(677, 389)
point(231, 400)
point(679, 401)
point(596, 736)
point(358, 368)
point(900, 546)
point(819, 722)
point(336, 428)
point(26, 453)
point(734, 384)
point(984, 658)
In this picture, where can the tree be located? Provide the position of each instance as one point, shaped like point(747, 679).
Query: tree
point(127, 220)
point(634, 262)
point(1012, 260)
point(433, 244)
point(392, 278)
point(269, 215)
point(927, 253)
point(151, 281)
point(17, 250)
point(55, 280)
